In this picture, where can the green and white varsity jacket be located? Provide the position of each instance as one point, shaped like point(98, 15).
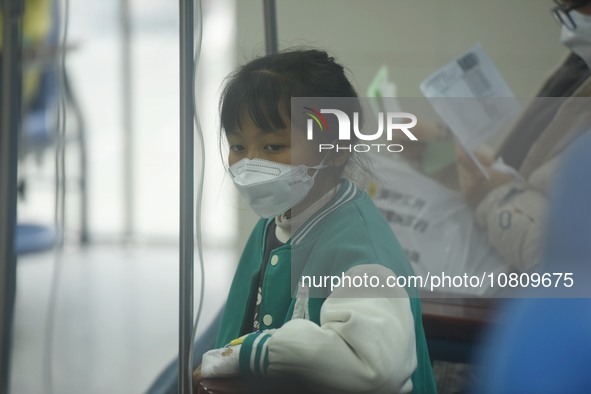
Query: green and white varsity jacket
point(371, 343)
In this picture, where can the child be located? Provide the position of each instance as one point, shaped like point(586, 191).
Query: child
point(311, 214)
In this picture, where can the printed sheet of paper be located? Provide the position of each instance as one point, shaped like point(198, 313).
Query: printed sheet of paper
point(472, 98)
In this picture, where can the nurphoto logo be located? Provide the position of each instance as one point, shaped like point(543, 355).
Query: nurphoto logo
point(390, 122)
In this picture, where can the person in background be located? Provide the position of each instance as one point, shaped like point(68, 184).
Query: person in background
point(541, 344)
point(512, 211)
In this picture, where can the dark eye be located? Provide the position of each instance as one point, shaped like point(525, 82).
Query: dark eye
point(274, 147)
point(236, 148)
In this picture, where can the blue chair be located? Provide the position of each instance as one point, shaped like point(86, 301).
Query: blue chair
point(33, 238)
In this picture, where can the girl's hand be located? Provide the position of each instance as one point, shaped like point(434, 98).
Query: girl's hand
point(473, 184)
point(221, 363)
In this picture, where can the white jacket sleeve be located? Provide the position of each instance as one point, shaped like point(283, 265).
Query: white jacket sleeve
point(361, 345)
point(513, 216)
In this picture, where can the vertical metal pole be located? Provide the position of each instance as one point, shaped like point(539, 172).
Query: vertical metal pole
point(81, 125)
point(10, 116)
point(128, 151)
point(187, 214)
point(270, 27)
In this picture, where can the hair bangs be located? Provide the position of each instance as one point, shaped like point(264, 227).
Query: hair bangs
point(260, 95)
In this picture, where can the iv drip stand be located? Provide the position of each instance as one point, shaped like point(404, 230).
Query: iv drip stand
point(187, 214)
point(187, 200)
point(10, 115)
point(270, 27)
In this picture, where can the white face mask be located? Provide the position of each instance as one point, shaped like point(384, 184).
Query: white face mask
point(272, 188)
point(579, 40)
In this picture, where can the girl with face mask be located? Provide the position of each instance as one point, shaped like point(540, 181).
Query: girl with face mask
point(313, 221)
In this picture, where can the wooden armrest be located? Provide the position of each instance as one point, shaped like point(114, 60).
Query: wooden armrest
point(460, 319)
point(287, 385)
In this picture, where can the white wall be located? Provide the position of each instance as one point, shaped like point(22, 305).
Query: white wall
point(413, 37)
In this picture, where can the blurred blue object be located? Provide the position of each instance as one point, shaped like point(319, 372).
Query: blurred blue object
point(39, 129)
point(39, 126)
point(543, 345)
point(568, 240)
point(32, 238)
point(39, 132)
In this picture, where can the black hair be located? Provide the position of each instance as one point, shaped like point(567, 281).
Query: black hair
point(264, 87)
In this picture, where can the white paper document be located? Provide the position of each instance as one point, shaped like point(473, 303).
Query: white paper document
point(472, 98)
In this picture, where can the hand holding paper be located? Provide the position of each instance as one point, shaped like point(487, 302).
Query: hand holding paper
point(472, 98)
point(473, 184)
